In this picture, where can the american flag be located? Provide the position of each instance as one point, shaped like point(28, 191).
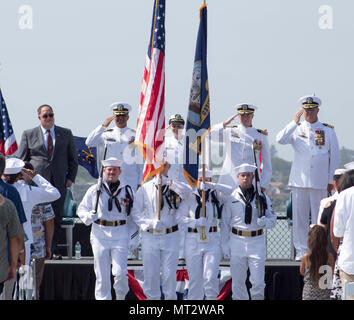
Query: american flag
point(151, 119)
point(8, 144)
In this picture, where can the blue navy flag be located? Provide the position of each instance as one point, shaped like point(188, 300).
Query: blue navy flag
point(8, 144)
point(86, 156)
point(198, 120)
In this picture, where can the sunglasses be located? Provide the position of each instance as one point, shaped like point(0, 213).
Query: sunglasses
point(50, 115)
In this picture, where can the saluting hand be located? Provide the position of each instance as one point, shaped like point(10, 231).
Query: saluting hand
point(298, 115)
point(226, 122)
point(107, 122)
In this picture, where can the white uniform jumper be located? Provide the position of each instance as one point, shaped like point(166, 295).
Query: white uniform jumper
point(109, 238)
point(238, 142)
point(316, 157)
point(246, 244)
point(120, 144)
point(159, 251)
point(203, 258)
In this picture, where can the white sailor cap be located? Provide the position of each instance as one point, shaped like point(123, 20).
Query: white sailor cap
point(112, 162)
point(121, 108)
point(245, 167)
point(13, 166)
point(349, 166)
point(208, 173)
point(339, 172)
point(176, 118)
point(310, 101)
point(245, 108)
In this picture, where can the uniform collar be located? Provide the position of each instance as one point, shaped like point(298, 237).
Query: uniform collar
point(245, 129)
point(313, 125)
point(122, 130)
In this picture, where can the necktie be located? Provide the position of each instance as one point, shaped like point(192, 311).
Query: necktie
point(50, 144)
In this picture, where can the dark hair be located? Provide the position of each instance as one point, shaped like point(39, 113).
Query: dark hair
point(347, 181)
point(12, 178)
point(28, 165)
point(42, 106)
point(2, 163)
point(318, 251)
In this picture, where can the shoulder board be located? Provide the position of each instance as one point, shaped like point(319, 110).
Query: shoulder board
point(265, 132)
point(231, 126)
point(133, 130)
point(328, 125)
point(108, 130)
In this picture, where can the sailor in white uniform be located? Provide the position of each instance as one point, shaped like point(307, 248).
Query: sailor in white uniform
point(242, 235)
point(16, 174)
point(203, 256)
point(316, 157)
point(120, 144)
point(239, 142)
point(160, 241)
point(174, 153)
point(109, 232)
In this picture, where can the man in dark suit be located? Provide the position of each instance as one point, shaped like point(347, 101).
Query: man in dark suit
point(52, 152)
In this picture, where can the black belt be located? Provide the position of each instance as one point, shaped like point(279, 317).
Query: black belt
point(211, 229)
point(245, 233)
point(107, 223)
point(168, 230)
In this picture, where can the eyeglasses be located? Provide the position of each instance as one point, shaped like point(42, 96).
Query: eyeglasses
point(50, 115)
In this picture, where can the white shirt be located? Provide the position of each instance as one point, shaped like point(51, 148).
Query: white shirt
point(31, 196)
point(239, 142)
point(313, 165)
point(144, 210)
point(344, 227)
point(323, 204)
point(186, 211)
point(88, 204)
point(174, 151)
point(233, 216)
point(120, 145)
point(45, 136)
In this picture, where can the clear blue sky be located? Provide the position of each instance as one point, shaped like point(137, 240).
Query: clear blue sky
point(81, 56)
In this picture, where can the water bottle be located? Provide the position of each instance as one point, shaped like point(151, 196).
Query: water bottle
point(78, 250)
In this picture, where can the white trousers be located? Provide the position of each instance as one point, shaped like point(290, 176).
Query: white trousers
point(107, 253)
point(160, 254)
point(247, 252)
point(203, 261)
point(304, 201)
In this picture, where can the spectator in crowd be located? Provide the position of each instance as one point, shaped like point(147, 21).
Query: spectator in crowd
point(11, 193)
point(11, 240)
point(343, 228)
point(52, 152)
point(313, 263)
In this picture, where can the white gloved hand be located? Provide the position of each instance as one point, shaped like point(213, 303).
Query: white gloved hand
point(203, 186)
point(201, 222)
point(93, 215)
point(262, 221)
point(209, 185)
point(226, 252)
point(157, 225)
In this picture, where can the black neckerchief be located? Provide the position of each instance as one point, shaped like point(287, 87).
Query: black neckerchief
point(165, 188)
point(199, 206)
point(247, 196)
point(112, 196)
